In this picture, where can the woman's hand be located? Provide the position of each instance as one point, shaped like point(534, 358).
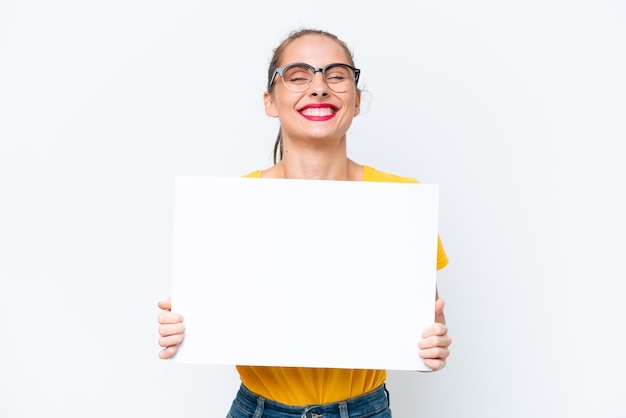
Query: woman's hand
point(435, 343)
point(172, 330)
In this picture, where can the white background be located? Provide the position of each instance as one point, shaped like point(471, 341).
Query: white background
point(517, 109)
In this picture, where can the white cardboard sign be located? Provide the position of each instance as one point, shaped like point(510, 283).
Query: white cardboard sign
point(304, 273)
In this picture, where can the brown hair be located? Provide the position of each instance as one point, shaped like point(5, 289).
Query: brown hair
point(274, 63)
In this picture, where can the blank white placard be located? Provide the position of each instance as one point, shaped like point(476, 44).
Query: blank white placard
point(304, 273)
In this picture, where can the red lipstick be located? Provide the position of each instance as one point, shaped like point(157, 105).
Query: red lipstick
point(318, 111)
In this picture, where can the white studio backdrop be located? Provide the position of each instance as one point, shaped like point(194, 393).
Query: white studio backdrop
point(516, 109)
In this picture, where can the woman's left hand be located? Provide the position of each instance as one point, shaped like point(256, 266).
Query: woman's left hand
point(435, 343)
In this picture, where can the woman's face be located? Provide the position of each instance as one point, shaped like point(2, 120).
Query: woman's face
point(317, 113)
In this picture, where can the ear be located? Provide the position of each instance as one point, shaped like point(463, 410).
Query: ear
point(270, 105)
point(357, 103)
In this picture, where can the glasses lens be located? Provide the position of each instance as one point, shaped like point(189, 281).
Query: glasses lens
point(297, 78)
point(339, 78)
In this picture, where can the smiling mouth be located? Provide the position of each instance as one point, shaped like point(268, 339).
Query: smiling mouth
point(318, 111)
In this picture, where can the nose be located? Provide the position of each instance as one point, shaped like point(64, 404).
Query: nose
point(319, 86)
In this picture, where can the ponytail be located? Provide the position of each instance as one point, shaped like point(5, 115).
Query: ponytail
point(278, 147)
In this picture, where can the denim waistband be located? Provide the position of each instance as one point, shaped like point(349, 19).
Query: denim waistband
point(363, 405)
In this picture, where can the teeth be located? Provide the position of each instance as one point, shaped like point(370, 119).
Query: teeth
point(317, 111)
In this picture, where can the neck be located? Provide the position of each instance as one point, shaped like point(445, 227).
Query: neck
point(316, 162)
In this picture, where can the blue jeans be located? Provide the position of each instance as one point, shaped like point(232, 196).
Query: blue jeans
point(374, 404)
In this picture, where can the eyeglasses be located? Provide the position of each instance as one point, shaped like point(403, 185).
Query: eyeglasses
point(298, 77)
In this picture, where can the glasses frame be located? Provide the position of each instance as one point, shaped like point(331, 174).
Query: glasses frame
point(281, 70)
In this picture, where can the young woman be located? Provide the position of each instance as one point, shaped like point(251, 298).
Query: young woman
point(312, 90)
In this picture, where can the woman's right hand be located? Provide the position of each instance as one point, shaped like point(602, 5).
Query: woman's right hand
point(171, 328)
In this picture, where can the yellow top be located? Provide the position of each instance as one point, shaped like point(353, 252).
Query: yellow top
point(307, 386)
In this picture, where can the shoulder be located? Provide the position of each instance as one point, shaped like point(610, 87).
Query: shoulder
point(273, 172)
point(254, 174)
point(372, 174)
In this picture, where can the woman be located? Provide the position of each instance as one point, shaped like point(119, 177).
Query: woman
point(312, 89)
